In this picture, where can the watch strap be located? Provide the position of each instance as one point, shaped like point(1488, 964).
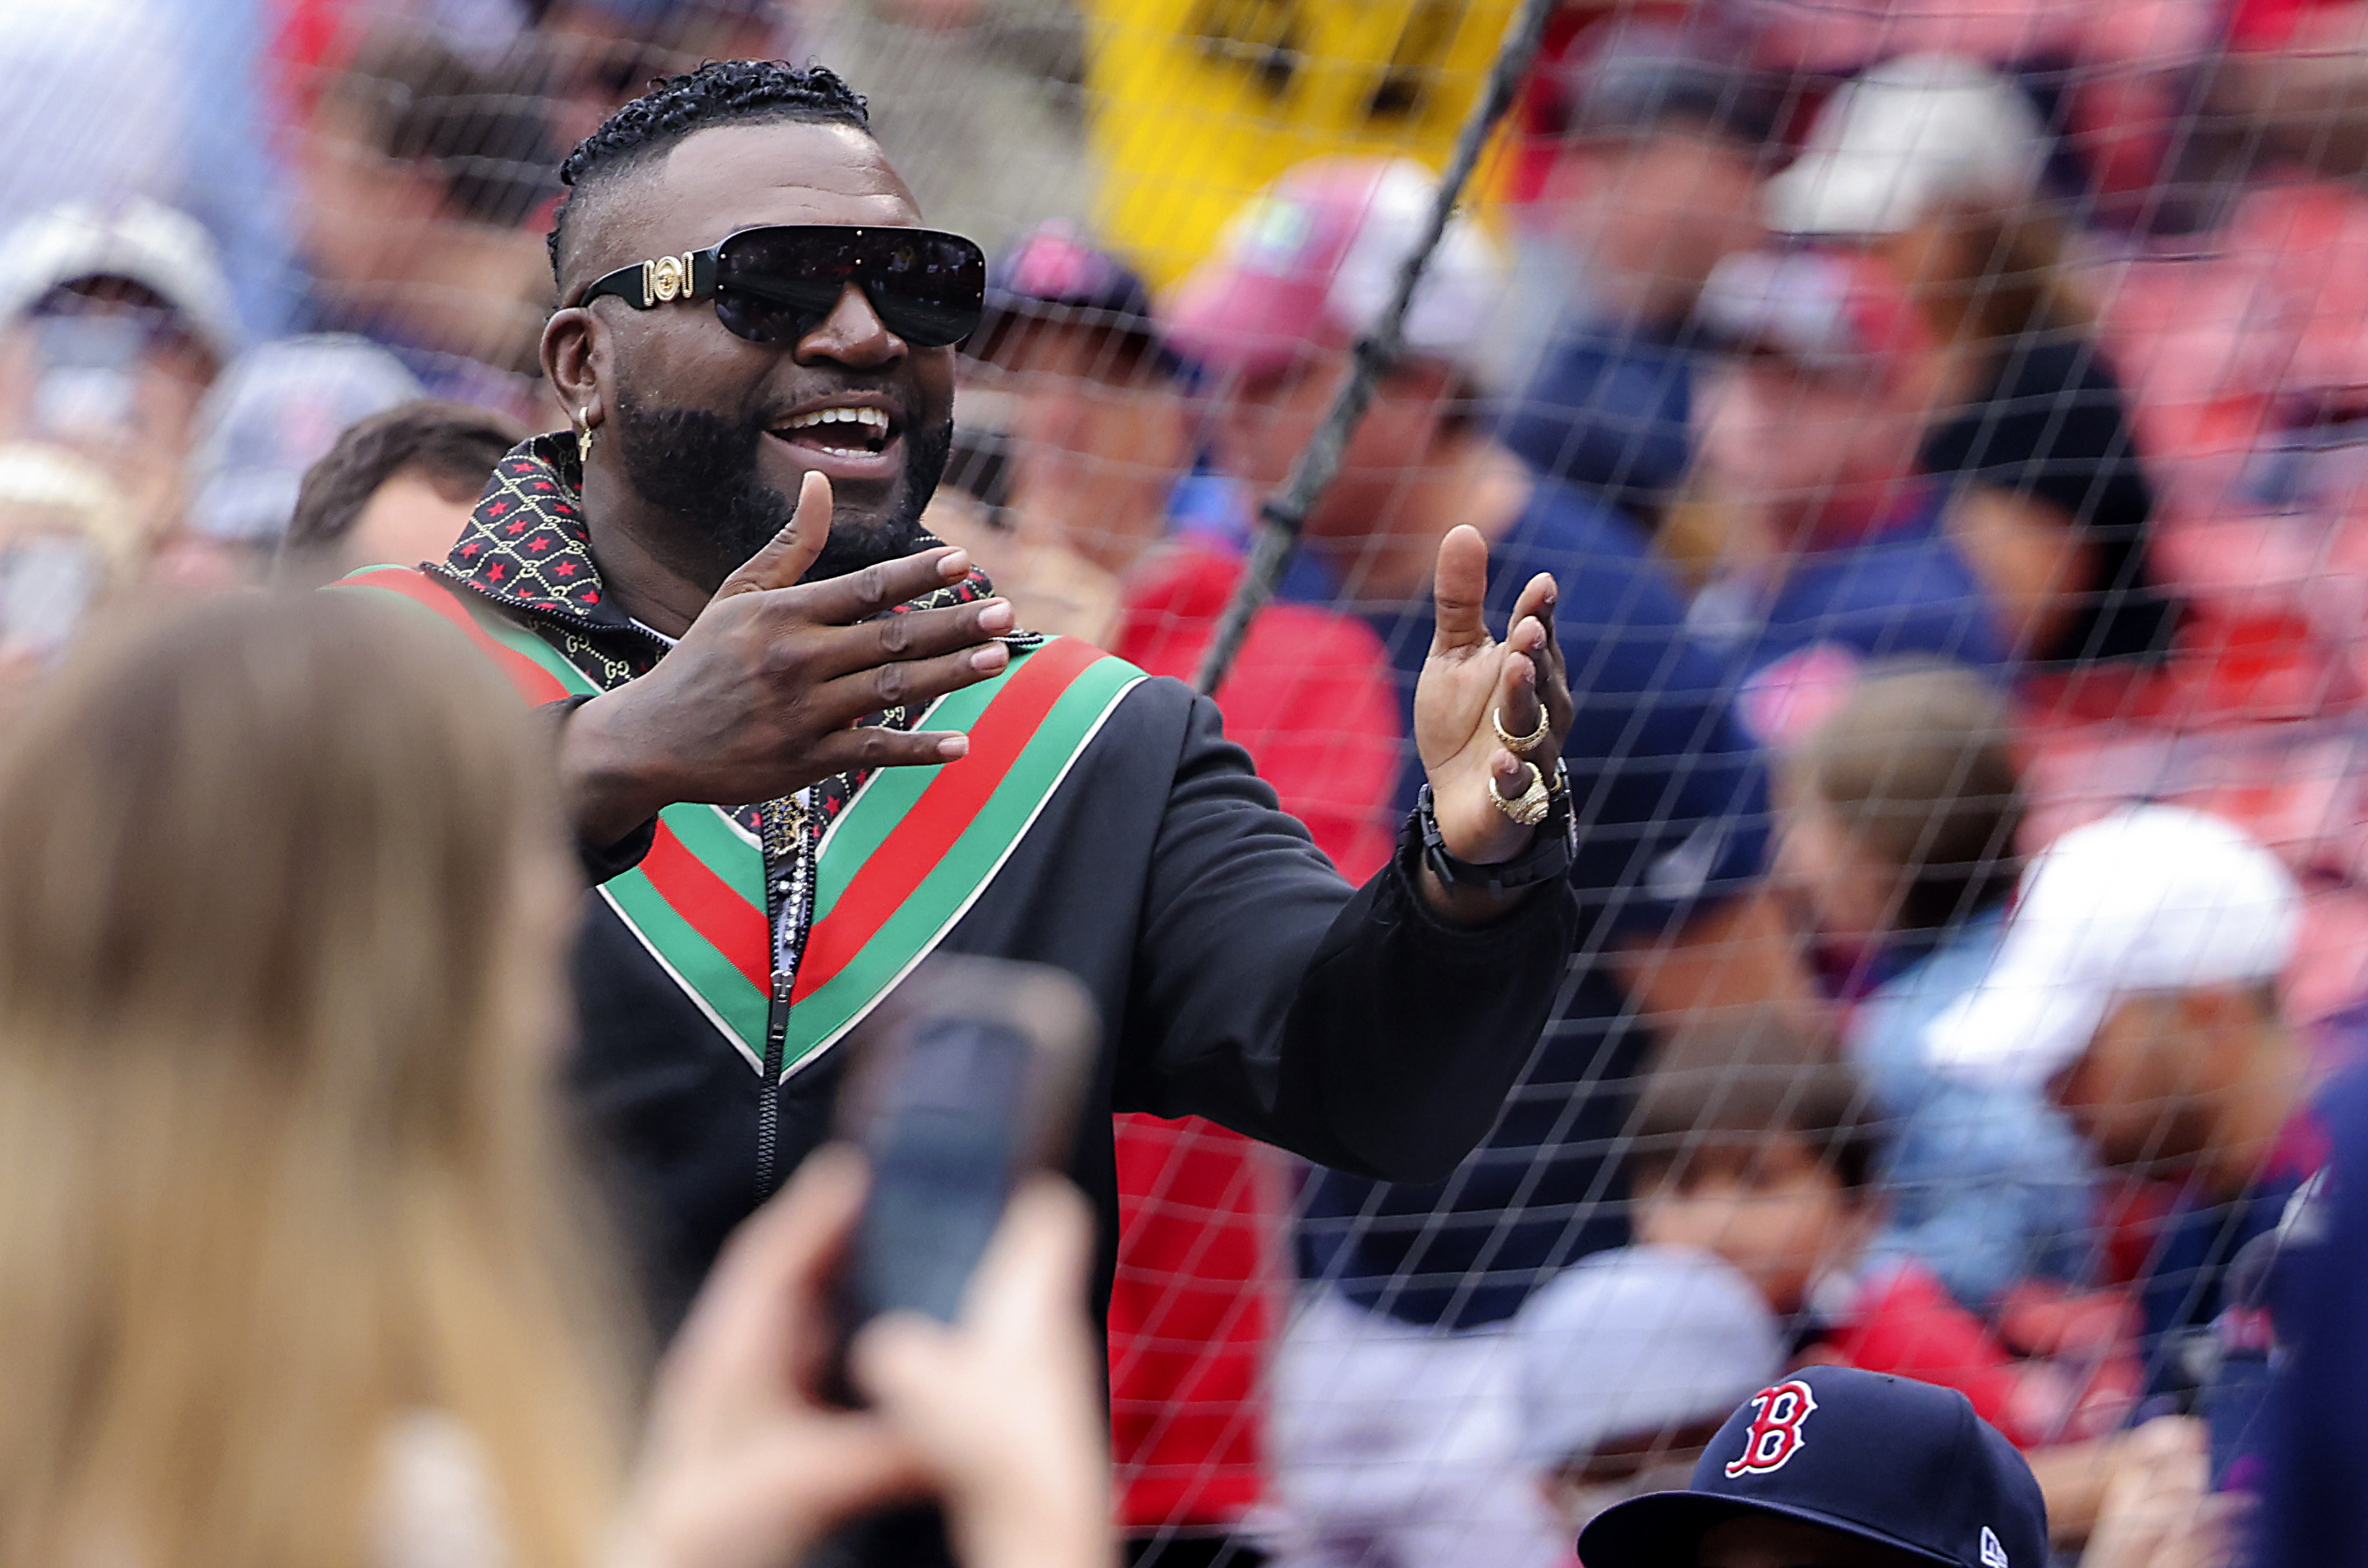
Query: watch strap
point(1552, 849)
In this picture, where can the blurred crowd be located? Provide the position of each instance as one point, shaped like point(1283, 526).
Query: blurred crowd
point(1947, 426)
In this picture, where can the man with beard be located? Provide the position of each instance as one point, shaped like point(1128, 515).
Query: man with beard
point(803, 745)
point(2140, 981)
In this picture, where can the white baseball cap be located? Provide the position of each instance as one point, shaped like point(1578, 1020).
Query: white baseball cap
point(1314, 259)
point(277, 410)
point(165, 251)
point(1636, 1341)
point(1822, 308)
point(1893, 144)
point(2151, 898)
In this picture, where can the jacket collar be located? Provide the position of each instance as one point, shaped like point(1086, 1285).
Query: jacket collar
point(526, 546)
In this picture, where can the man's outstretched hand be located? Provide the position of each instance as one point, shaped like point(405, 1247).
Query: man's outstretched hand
point(1469, 676)
point(763, 695)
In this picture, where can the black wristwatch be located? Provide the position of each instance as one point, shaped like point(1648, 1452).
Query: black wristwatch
point(1548, 855)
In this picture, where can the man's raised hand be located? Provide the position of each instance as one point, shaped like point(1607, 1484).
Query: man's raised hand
point(765, 692)
point(1469, 678)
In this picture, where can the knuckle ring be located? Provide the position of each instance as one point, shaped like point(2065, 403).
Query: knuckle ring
point(1529, 808)
point(1520, 746)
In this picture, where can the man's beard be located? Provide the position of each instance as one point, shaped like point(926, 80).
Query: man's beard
point(701, 468)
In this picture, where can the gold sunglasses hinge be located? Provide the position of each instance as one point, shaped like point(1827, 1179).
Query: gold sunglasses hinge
point(666, 278)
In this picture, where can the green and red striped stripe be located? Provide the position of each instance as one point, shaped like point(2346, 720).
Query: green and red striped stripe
point(916, 845)
point(900, 865)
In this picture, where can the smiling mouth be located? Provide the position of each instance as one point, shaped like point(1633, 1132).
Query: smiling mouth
point(846, 432)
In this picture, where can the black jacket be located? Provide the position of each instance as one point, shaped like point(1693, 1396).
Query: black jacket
point(1238, 976)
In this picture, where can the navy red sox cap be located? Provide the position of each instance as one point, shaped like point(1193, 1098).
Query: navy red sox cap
point(1897, 1463)
point(1052, 273)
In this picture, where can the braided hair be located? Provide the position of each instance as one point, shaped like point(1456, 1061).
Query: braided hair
point(722, 92)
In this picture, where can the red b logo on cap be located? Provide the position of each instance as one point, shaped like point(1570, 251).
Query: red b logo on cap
point(1775, 1434)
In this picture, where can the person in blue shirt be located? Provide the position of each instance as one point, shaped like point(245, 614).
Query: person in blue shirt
point(1822, 542)
point(2138, 980)
point(1654, 177)
point(2314, 1496)
point(1897, 826)
point(1394, 1425)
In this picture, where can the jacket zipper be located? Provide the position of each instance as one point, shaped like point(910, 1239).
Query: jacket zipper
point(778, 885)
point(565, 617)
point(777, 888)
point(768, 1108)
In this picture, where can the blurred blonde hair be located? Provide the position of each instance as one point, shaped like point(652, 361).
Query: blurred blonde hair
point(279, 927)
point(2001, 276)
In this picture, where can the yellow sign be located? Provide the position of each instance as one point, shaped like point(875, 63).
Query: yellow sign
point(1199, 104)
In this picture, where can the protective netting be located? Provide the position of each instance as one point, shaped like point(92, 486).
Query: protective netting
point(1946, 423)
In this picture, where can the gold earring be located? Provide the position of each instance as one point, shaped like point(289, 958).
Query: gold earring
point(583, 431)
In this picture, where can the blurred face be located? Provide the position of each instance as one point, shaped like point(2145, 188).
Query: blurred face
point(1767, 1205)
point(1101, 437)
point(2144, 1092)
point(1656, 213)
point(1798, 438)
point(365, 216)
point(387, 249)
point(595, 61)
point(107, 373)
point(702, 424)
point(1843, 891)
point(408, 521)
point(1264, 420)
point(1765, 1542)
point(1926, 256)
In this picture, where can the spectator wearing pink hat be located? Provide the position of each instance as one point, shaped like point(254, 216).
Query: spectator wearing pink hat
point(1394, 1423)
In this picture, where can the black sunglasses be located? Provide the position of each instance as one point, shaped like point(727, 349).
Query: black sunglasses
point(777, 284)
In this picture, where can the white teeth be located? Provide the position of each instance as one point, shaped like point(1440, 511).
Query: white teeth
point(871, 419)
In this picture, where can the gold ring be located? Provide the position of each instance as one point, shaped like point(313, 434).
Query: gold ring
point(1529, 808)
point(1520, 746)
